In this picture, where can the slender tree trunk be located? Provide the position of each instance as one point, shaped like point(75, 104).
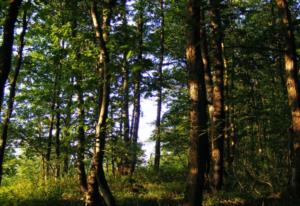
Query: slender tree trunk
point(97, 177)
point(57, 138)
point(81, 137)
point(159, 88)
point(208, 75)
point(125, 165)
point(49, 141)
point(205, 58)
point(137, 91)
point(12, 93)
point(293, 90)
point(198, 137)
point(7, 44)
point(66, 135)
point(218, 117)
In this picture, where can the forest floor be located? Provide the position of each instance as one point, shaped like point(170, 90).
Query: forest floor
point(144, 189)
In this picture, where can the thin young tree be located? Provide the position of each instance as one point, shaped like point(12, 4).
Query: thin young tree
point(159, 88)
point(137, 78)
point(218, 115)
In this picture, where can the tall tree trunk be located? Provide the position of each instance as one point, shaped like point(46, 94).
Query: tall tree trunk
point(125, 166)
point(12, 93)
point(198, 154)
point(97, 176)
point(218, 117)
point(51, 125)
point(7, 44)
point(137, 77)
point(66, 135)
point(81, 137)
point(57, 138)
point(159, 88)
point(78, 75)
point(208, 75)
point(205, 58)
point(293, 90)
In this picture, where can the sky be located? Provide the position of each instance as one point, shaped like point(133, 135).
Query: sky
point(147, 125)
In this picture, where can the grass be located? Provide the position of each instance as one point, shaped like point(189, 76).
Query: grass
point(143, 189)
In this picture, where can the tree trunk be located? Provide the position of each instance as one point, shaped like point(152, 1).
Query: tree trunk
point(159, 88)
point(292, 84)
point(97, 177)
point(207, 75)
point(198, 154)
point(137, 91)
point(81, 137)
point(7, 44)
point(218, 117)
point(12, 93)
point(125, 164)
point(57, 139)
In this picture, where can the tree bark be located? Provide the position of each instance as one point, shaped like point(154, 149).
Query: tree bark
point(137, 75)
point(293, 89)
point(218, 116)
point(159, 88)
point(12, 93)
point(198, 138)
point(7, 44)
point(125, 164)
point(97, 177)
point(57, 138)
point(81, 137)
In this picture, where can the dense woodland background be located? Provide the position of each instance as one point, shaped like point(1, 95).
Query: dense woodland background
point(224, 77)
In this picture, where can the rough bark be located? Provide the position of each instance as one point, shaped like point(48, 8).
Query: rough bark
point(198, 137)
point(218, 116)
point(12, 93)
point(293, 89)
point(159, 88)
point(7, 44)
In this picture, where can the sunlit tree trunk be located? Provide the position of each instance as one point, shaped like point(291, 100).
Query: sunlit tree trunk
point(159, 88)
point(208, 74)
point(218, 116)
point(198, 137)
point(12, 93)
point(97, 177)
point(7, 44)
point(293, 90)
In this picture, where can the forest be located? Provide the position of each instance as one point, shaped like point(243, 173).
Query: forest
point(217, 79)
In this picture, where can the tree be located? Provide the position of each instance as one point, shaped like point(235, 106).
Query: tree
point(12, 92)
point(159, 88)
point(96, 177)
point(198, 137)
point(7, 43)
point(293, 89)
point(218, 114)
